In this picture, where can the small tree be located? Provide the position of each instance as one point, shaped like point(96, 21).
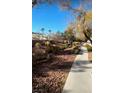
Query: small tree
point(83, 24)
point(69, 34)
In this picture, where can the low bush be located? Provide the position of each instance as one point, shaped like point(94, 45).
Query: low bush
point(38, 54)
point(65, 46)
point(75, 43)
point(89, 47)
point(37, 45)
point(47, 43)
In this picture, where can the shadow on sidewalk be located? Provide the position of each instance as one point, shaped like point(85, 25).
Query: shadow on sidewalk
point(66, 91)
point(80, 66)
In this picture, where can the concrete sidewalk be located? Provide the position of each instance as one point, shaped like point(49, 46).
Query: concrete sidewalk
point(79, 79)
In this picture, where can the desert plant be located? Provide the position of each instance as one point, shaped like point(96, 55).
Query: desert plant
point(37, 45)
point(89, 47)
point(47, 43)
point(65, 45)
point(38, 55)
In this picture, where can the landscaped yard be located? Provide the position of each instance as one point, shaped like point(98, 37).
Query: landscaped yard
point(49, 76)
point(58, 30)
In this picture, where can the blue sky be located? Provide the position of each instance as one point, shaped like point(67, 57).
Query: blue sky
point(51, 17)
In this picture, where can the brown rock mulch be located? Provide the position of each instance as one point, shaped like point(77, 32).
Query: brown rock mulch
point(50, 77)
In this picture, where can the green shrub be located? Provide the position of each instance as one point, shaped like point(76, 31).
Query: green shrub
point(38, 54)
point(65, 46)
point(89, 47)
point(75, 43)
point(37, 45)
point(47, 43)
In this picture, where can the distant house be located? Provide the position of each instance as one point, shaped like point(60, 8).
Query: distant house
point(38, 36)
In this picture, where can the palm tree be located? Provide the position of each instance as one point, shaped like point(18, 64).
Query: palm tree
point(42, 30)
point(49, 33)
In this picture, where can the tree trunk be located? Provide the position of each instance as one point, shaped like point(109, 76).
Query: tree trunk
point(88, 37)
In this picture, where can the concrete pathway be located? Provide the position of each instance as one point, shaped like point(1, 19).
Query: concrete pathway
point(79, 79)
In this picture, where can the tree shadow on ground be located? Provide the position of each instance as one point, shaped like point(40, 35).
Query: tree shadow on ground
point(50, 82)
point(66, 91)
point(82, 51)
point(42, 69)
point(80, 66)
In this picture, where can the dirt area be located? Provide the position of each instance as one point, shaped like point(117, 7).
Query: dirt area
point(90, 56)
point(50, 77)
